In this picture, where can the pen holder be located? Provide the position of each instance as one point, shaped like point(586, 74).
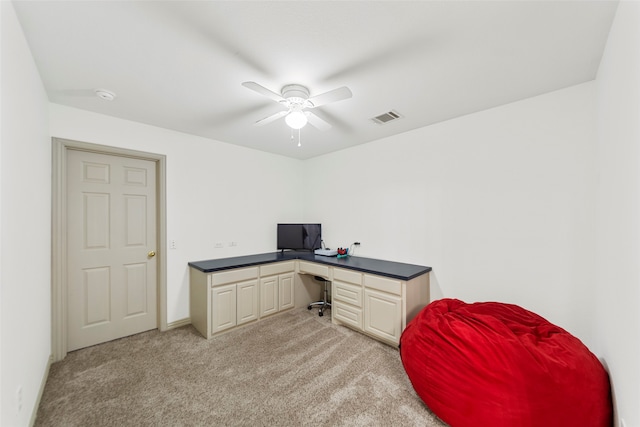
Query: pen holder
point(343, 252)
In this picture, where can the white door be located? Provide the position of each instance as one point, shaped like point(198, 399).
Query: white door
point(111, 243)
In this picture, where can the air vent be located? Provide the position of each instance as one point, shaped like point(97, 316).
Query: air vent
point(387, 117)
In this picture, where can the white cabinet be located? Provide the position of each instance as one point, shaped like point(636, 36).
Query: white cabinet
point(268, 296)
point(286, 291)
point(277, 288)
point(383, 315)
point(368, 303)
point(221, 301)
point(223, 308)
point(233, 305)
point(247, 301)
point(376, 305)
point(346, 292)
point(379, 306)
point(383, 307)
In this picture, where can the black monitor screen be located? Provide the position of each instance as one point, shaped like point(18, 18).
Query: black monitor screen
point(299, 236)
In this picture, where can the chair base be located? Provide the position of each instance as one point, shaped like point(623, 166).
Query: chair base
point(322, 304)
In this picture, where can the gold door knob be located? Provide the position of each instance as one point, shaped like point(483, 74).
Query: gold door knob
point(151, 254)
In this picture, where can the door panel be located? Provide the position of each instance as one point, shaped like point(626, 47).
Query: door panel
point(135, 214)
point(111, 229)
point(136, 287)
point(97, 296)
point(96, 224)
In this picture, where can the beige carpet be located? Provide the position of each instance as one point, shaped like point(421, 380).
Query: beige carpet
point(292, 369)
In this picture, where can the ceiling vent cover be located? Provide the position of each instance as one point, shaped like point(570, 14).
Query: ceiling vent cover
point(387, 117)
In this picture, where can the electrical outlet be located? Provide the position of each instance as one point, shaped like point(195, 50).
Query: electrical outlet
point(219, 245)
point(172, 244)
point(233, 243)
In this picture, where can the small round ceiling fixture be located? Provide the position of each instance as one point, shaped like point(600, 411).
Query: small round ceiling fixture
point(105, 94)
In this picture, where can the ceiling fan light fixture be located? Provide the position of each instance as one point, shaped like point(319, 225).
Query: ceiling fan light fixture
point(296, 119)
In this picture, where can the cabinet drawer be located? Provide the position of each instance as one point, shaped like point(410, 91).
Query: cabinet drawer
point(347, 276)
point(277, 268)
point(383, 284)
point(233, 276)
point(347, 314)
point(315, 269)
point(351, 294)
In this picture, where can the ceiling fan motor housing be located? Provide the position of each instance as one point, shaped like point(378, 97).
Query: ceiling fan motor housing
point(295, 95)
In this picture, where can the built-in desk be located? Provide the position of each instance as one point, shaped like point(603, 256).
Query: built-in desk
point(373, 296)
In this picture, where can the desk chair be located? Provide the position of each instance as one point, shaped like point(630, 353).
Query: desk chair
point(325, 297)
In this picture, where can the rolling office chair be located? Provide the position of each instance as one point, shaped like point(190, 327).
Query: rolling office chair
point(325, 297)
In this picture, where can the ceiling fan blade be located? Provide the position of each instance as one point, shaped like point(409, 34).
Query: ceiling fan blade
point(316, 121)
point(331, 96)
point(263, 91)
point(271, 118)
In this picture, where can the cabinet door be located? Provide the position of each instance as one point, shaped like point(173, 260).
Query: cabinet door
point(268, 295)
point(247, 301)
point(285, 290)
point(383, 315)
point(223, 308)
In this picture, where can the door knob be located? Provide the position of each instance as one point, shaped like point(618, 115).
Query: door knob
point(151, 254)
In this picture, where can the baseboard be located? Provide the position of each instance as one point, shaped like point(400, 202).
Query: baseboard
point(43, 383)
point(179, 323)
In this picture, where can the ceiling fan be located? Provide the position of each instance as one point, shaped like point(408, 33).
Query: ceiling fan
point(295, 98)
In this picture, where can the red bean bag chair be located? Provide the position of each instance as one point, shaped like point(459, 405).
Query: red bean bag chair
point(499, 365)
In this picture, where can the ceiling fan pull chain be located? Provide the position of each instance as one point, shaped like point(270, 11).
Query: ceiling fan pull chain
point(299, 138)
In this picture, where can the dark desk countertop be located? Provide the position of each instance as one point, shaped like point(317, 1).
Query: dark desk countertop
point(396, 270)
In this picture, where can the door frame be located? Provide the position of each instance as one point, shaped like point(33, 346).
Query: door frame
point(59, 234)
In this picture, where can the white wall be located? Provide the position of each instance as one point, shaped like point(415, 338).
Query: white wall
point(216, 192)
point(618, 193)
point(25, 226)
point(499, 203)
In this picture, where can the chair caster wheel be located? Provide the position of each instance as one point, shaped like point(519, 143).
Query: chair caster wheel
point(321, 314)
point(308, 307)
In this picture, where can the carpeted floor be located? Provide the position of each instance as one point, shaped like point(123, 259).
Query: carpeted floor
point(292, 369)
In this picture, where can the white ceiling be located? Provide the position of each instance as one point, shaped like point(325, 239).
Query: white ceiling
point(179, 65)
